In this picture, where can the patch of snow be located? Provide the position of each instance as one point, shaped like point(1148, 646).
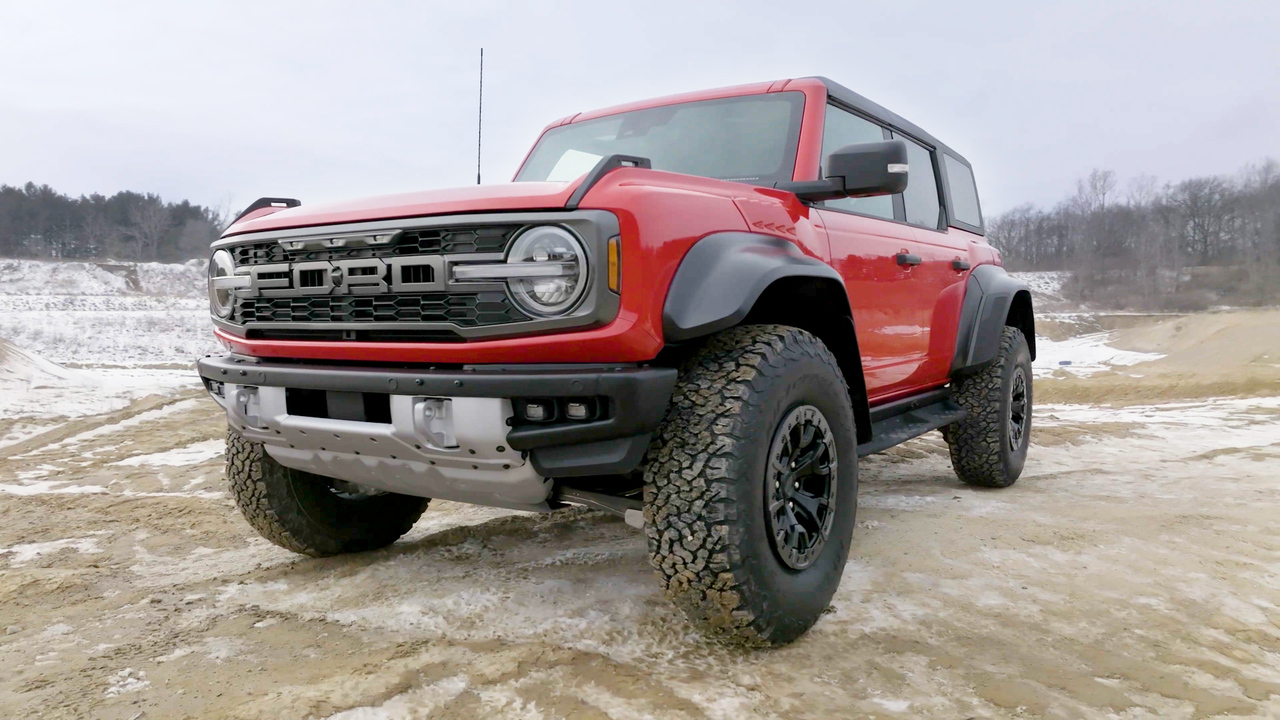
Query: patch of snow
point(892, 705)
point(192, 454)
point(1044, 284)
point(25, 431)
point(49, 487)
point(26, 552)
point(106, 313)
point(126, 681)
point(416, 703)
point(897, 502)
point(170, 657)
point(64, 277)
point(78, 393)
point(147, 416)
point(1084, 355)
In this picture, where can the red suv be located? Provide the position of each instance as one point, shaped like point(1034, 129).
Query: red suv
point(697, 312)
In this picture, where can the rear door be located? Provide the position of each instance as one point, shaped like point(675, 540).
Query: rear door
point(944, 252)
point(872, 249)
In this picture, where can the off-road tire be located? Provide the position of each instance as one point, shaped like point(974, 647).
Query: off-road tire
point(981, 452)
point(705, 475)
point(300, 512)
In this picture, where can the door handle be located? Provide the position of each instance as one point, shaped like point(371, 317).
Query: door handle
point(907, 259)
point(959, 265)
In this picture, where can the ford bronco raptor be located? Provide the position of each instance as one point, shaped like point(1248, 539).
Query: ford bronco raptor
point(696, 312)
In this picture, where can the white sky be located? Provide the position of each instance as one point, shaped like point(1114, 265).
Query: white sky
point(222, 102)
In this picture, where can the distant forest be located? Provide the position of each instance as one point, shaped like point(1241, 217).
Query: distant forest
point(1179, 246)
point(38, 222)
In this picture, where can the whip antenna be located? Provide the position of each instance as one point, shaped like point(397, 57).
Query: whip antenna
point(480, 117)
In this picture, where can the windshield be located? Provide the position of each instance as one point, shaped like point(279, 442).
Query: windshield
point(750, 139)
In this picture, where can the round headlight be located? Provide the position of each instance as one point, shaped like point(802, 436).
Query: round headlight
point(557, 271)
point(221, 299)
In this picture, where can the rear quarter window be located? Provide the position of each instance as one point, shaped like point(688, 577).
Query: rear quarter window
point(963, 191)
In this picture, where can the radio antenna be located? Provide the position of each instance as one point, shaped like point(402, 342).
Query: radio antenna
point(480, 117)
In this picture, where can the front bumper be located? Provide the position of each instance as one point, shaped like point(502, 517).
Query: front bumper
point(488, 459)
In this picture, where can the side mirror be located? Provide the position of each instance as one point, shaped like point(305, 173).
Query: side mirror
point(861, 170)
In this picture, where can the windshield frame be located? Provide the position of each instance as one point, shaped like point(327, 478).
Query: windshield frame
point(791, 156)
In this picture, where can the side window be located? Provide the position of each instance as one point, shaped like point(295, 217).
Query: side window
point(844, 128)
point(964, 192)
point(921, 196)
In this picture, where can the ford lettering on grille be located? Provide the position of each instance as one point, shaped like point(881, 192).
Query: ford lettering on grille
point(361, 276)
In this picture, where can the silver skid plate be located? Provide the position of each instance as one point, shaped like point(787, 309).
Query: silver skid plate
point(447, 448)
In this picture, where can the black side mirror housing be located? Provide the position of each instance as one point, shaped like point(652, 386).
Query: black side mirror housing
point(861, 170)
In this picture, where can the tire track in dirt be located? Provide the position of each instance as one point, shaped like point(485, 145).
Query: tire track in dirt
point(1130, 571)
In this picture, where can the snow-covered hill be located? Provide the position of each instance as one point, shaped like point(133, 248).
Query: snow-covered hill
point(121, 314)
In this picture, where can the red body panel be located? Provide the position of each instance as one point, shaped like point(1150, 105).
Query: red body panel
point(906, 318)
point(474, 199)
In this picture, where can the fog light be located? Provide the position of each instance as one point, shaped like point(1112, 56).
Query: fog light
point(247, 405)
point(434, 422)
point(576, 411)
point(535, 411)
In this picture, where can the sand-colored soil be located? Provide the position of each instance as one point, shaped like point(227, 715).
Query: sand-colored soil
point(1131, 573)
point(1218, 354)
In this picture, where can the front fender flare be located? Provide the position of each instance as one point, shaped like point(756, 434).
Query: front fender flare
point(723, 275)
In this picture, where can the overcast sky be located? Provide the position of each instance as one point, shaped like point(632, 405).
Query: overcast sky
point(222, 102)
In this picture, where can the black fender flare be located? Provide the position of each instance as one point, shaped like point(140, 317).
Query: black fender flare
point(992, 299)
point(723, 275)
point(732, 277)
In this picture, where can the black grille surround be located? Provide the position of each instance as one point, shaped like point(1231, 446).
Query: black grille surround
point(296, 303)
point(423, 241)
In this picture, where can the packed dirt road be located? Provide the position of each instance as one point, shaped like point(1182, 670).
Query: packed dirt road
point(1133, 571)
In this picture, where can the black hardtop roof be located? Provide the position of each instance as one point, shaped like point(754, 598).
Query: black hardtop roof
point(884, 115)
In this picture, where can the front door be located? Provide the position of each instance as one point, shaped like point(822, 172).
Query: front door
point(875, 252)
point(891, 313)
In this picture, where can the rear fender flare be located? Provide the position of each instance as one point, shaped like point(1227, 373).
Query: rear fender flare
point(992, 300)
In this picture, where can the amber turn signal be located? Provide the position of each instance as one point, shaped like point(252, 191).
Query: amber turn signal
point(615, 264)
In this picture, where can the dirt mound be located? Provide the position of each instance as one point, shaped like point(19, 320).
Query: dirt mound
point(1209, 342)
point(1217, 354)
point(19, 366)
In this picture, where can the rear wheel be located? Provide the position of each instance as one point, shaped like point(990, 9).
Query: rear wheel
point(989, 446)
point(310, 514)
point(751, 485)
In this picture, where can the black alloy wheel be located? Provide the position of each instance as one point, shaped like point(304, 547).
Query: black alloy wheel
point(1017, 409)
point(801, 486)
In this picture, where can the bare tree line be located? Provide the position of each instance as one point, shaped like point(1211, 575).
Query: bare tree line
point(1186, 245)
point(36, 221)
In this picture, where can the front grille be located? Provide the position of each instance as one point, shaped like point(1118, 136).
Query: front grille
point(263, 314)
point(424, 241)
point(462, 309)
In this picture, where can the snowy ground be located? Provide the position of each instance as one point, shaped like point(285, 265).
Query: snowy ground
point(105, 314)
point(1084, 355)
point(80, 339)
point(1130, 573)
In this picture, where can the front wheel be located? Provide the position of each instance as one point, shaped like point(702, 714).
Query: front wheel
point(751, 485)
point(310, 514)
point(989, 446)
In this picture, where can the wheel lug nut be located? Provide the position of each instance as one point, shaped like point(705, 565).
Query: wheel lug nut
point(790, 504)
point(797, 486)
